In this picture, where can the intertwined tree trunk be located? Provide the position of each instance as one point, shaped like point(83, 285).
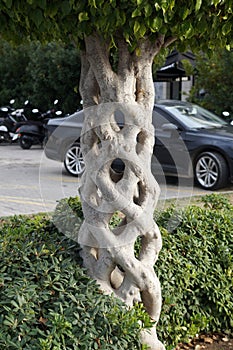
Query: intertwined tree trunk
point(118, 127)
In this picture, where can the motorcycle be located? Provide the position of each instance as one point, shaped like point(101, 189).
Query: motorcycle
point(34, 132)
point(10, 120)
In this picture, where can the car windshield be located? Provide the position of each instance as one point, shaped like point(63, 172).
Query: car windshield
point(194, 116)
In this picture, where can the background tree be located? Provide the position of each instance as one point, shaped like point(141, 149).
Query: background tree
point(54, 72)
point(40, 73)
point(110, 84)
point(13, 64)
point(213, 87)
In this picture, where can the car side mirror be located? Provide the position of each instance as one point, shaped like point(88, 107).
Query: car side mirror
point(169, 126)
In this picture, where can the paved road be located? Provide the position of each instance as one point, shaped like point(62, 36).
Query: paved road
point(32, 183)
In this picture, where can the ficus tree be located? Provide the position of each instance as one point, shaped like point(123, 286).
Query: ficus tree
point(118, 41)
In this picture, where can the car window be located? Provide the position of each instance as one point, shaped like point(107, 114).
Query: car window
point(194, 116)
point(159, 120)
point(204, 114)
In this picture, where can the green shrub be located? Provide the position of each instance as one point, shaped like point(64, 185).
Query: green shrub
point(46, 299)
point(48, 302)
point(195, 270)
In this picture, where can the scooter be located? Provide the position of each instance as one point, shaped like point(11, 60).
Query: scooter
point(10, 120)
point(34, 131)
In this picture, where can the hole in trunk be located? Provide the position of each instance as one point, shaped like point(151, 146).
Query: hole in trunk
point(140, 194)
point(119, 119)
point(117, 170)
point(117, 220)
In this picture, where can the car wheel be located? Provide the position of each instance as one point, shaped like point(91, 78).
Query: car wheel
point(74, 163)
point(211, 171)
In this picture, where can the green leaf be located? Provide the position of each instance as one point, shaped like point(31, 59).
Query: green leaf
point(157, 23)
point(216, 2)
point(142, 30)
point(157, 6)
point(37, 17)
point(136, 13)
point(172, 4)
point(185, 13)
point(136, 27)
point(148, 10)
point(198, 5)
point(13, 302)
point(226, 29)
point(92, 3)
point(127, 38)
point(83, 16)
point(21, 300)
point(164, 6)
point(121, 17)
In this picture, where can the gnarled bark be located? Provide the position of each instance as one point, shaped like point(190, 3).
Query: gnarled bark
point(118, 126)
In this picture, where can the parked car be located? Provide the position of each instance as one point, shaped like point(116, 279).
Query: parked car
point(190, 141)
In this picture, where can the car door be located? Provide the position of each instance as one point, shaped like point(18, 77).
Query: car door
point(170, 153)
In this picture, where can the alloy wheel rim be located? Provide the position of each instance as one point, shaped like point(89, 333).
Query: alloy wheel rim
point(74, 160)
point(207, 172)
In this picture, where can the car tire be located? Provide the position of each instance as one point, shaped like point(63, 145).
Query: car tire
point(73, 161)
point(211, 171)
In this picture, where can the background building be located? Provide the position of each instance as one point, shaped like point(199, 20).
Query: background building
point(172, 81)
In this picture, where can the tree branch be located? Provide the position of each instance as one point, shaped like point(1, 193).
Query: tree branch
point(169, 41)
point(143, 72)
point(97, 53)
point(88, 85)
point(125, 58)
point(143, 66)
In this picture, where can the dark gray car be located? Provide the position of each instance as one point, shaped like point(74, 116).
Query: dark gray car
point(189, 142)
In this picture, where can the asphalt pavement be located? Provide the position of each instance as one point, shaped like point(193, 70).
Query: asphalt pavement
point(32, 183)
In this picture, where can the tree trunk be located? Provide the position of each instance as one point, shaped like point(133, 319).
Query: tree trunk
point(118, 129)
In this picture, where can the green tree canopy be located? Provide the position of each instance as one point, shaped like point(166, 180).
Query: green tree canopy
point(215, 80)
point(204, 23)
point(54, 71)
point(13, 64)
point(40, 73)
point(197, 25)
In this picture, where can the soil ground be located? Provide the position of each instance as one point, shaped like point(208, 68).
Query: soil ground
point(208, 342)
